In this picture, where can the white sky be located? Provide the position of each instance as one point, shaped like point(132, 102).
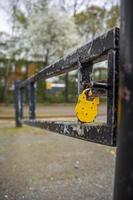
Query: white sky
point(4, 16)
point(5, 22)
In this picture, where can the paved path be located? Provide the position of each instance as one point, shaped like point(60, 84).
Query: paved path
point(40, 165)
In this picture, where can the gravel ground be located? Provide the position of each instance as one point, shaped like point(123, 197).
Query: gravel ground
point(40, 165)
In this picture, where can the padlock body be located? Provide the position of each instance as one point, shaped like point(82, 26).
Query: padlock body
point(86, 110)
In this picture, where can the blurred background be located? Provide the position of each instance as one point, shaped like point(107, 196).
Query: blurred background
point(36, 164)
point(34, 34)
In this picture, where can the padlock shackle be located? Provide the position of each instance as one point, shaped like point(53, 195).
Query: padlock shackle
point(86, 90)
point(98, 85)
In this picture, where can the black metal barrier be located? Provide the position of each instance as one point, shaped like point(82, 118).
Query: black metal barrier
point(123, 187)
point(105, 47)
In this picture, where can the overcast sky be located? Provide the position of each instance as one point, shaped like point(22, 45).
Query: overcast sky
point(4, 16)
point(5, 22)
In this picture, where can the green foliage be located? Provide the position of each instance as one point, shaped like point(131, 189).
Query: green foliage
point(41, 91)
point(72, 89)
point(1, 92)
point(96, 19)
point(90, 22)
point(81, 18)
point(21, 18)
point(113, 16)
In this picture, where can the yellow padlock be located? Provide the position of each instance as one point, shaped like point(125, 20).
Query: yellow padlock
point(86, 108)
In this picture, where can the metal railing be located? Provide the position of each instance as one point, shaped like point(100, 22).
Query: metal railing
point(105, 47)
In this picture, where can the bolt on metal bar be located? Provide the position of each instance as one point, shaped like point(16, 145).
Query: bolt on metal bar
point(101, 85)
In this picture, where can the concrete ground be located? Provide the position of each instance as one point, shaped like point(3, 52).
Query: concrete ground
point(40, 165)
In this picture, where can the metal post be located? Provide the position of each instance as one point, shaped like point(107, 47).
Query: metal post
point(32, 102)
point(18, 104)
point(123, 189)
point(112, 92)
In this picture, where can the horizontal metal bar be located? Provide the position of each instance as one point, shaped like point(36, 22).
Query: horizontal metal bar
point(99, 88)
point(101, 85)
point(98, 133)
point(89, 52)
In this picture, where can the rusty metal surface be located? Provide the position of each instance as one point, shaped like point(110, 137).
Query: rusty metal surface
point(123, 188)
point(98, 133)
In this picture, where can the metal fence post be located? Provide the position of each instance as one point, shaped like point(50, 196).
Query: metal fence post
point(112, 92)
point(32, 101)
point(123, 189)
point(18, 104)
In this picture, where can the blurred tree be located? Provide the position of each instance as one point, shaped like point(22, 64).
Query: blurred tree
point(45, 35)
point(41, 31)
point(95, 20)
point(113, 16)
point(5, 62)
point(73, 7)
point(91, 22)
